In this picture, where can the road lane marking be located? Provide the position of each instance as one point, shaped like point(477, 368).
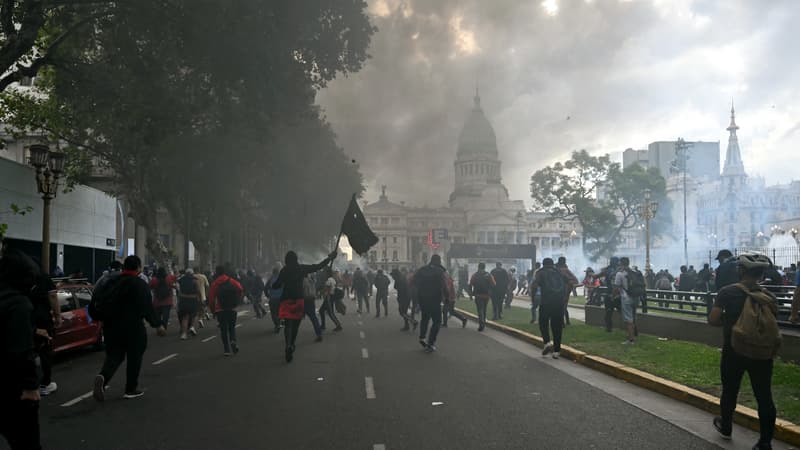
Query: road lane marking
point(378, 447)
point(209, 338)
point(243, 313)
point(165, 359)
point(77, 399)
point(237, 325)
point(364, 353)
point(362, 335)
point(369, 386)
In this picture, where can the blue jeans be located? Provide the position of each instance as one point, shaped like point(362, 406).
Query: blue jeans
point(227, 329)
point(311, 312)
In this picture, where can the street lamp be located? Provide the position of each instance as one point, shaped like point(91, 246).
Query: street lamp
point(714, 238)
point(647, 211)
point(49, 168)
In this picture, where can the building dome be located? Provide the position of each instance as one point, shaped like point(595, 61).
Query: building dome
point(477, 137)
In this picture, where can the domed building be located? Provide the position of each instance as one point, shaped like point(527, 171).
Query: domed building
point(479, 211)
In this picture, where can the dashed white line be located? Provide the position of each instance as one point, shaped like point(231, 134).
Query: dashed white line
point(77, 399)
point(165, 359)
point(364, 353)
point(209, 338)
point(237, 325)
point(378, 447)
point(362, 335)
point(369, 386)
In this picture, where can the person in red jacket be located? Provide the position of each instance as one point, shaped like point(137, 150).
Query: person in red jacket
point(223, 297)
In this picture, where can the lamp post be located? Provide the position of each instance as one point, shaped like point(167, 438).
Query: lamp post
point(647, 211)
point(49, 167)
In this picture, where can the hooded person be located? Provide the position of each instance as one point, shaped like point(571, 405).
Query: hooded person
point(19, 382)
point(430, 285)
point(292, 306)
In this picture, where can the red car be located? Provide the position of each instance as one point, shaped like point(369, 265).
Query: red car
point(77, 328)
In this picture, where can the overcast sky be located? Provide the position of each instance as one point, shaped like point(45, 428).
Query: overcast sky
point(561, 75)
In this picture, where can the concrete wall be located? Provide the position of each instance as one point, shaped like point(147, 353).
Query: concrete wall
point(685, 330)
point(84, 217)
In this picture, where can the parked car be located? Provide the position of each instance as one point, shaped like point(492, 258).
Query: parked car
point(77, 328)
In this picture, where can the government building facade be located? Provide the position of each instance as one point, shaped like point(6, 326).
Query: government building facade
point(479, 212)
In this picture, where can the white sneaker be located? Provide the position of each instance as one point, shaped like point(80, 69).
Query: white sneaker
point(548, 348)
point(201, 324)
point(556, 355)
point(49, 389)
point(183, 337)
point(192, 331)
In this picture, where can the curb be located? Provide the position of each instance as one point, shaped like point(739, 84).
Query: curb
point(784, 430)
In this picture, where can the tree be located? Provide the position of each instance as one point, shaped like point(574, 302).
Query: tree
point(31, 32)
point(599, 195)
point(216, 123)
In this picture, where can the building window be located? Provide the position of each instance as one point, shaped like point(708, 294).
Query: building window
point(490, 237)
point(384, 220)
point(394, 255)
point(395, 220)
point(373, 255)
point(394, 240)
point(481, 237)
point(383, 254)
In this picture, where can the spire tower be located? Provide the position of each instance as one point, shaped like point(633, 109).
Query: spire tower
point(733, 157)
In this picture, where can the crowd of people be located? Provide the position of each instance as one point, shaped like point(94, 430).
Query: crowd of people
point(127, 297)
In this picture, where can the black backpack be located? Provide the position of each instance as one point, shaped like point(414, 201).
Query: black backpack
point(187, 285)
point(103, 297)
point(553, 285)
point(482, 284)
point(636, 285)
point(428, 282)
point(228, 295)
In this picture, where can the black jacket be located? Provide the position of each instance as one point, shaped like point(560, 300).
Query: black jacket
point(16, 344)
point(291, 279)
point(727, 273)
point(382, 283)
point(131, 302)
point(501, 280)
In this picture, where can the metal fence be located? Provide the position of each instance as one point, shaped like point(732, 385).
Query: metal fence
point(781, 256)
point(696, 304)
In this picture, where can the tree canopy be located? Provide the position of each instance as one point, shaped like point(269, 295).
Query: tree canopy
point(207, 109)
point(600, 196)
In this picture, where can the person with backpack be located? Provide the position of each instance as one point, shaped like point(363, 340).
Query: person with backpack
point(274, 299)
point(19, 382)
point(188, 302)
point(202, 286)
point(551, 311)
point(121, 303)
point(331, 294)
point(224, 296)
point(480, 288)
point(291, 309)
point(430, 285)
point(611, 300)
point(381, 283)
point(309, 298)
point(572, 282)
point(161, 286)
point(629, 286)
point(512, 287)
point(499, 290)
point(403, 298)
point(751, 339)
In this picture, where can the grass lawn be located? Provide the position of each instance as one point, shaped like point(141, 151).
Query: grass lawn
point(692, 364)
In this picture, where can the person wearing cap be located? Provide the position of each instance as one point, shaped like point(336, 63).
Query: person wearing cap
point(728, 306)
point(727, 272)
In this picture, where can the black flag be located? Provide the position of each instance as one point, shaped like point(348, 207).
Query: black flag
point(355, 227)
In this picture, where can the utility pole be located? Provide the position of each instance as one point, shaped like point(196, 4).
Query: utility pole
point(680, 164)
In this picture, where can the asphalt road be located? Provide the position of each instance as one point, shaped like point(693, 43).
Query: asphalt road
point(368, 387)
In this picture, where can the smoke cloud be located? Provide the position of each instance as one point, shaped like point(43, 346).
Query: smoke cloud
point(557, 76)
